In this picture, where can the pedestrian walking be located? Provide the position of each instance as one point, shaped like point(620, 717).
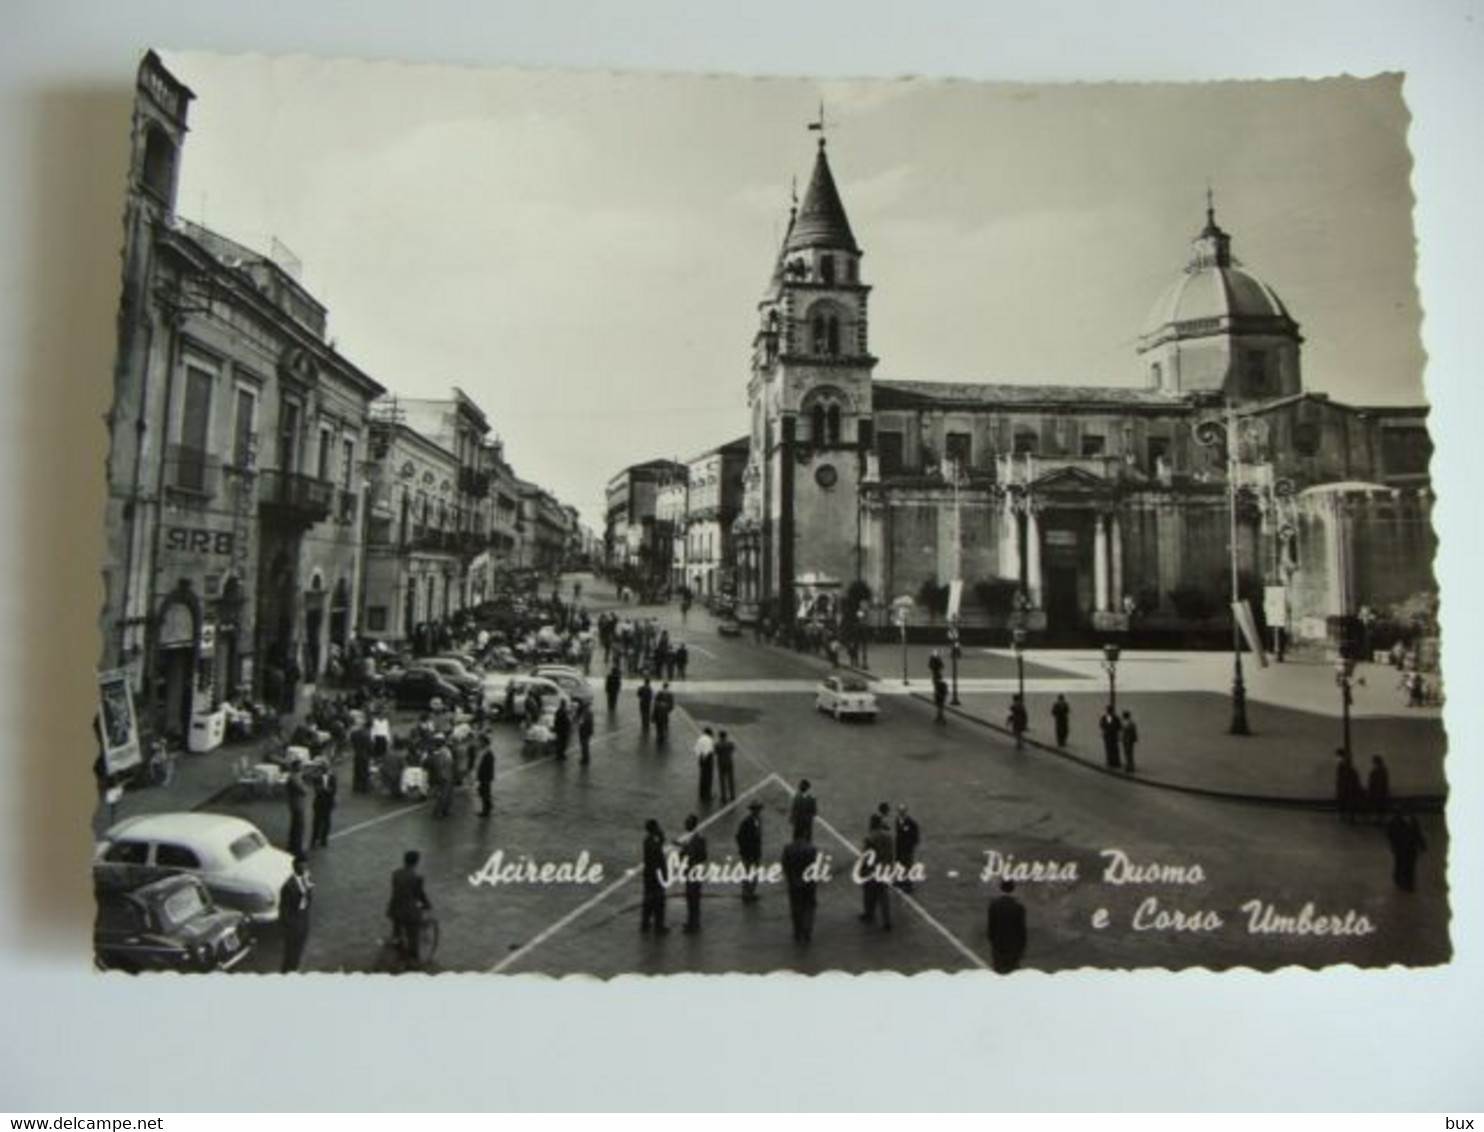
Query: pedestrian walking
point(1007, 929)
point(726, 767)
point(1405, 837)
point(294, 794)
point(940, 699)
point(585, 733)
point(750, 849)
point(877, 858)
point(1061, 718)
point(802, 812)
point(612, 686)
point(441, 779)
point(645, 696)
point(294, 899)
point(935, 667)
point(1378, 788)
point(326, 786)
point(561, 730)
point(1109, 725)
point(908, 837)
point(1018, 720)
point(798, 860)
point(664, 704)
point(484, 776)
point(692, 857)
point(682, 659)
point(360, 759)
point(1128, 737)
point(1348, 792)
point(652, 911)
point(408, 907)
point(705, 762)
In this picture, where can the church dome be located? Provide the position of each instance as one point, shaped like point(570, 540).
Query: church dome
point(1215, 293)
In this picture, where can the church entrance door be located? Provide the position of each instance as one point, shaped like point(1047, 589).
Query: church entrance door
point(1063, 611)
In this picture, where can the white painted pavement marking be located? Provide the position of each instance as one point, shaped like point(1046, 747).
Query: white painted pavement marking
point(912, 903)
point(629, 874)
point(964, 949)
point(707, 653)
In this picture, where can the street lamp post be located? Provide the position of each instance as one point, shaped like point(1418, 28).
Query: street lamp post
point(1344, 677)
point(1110, 666)
point(864, 627)
point(1019, 644)
point(953, 651)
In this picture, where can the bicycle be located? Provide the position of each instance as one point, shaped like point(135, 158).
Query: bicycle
point(398, 958)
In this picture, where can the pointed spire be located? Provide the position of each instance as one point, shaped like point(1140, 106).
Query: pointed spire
point(1213, 247)
point(821, 221)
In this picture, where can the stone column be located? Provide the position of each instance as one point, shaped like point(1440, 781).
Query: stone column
point(1033, 554)
point(1100, 565)
point(1115, 572)
point(1010, 559)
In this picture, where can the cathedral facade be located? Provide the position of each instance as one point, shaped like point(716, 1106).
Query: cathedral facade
point(1073, 510)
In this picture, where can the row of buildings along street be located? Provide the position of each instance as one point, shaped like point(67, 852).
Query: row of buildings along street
point(269, 502)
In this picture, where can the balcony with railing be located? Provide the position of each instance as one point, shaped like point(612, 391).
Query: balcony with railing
point(192, 475)
point(293, 497)
point(474, 483)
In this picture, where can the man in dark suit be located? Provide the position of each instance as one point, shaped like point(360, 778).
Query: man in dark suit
point(646, 702)
point(326, 786)
point(1110, 725)
point(726, 767)
point(294, 792)
point(294, 899)
point(909, 836)
point(1007, 932)
point(803, 895)
point(484, 775)
point(802, 812)
point(664, 704)
point(693, 856)
point(612, 686)
point(653, 909)
point(750, 847)
point(408, 905)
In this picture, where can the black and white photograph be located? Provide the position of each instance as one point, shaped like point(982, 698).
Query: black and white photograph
point(613, 523)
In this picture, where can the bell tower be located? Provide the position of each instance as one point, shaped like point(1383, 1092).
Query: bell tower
point(810, 396)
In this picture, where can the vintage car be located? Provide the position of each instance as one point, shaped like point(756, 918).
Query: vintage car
point(569, 680)
point(171, 924)
point(846, 695)
point(505, 688)
point(729, 626)
point(231, 857)
point(419, 686)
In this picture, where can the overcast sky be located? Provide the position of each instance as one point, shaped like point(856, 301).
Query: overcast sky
point(583, 253)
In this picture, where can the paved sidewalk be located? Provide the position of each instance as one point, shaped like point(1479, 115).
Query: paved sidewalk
point(1184, 745)
point(198, 780)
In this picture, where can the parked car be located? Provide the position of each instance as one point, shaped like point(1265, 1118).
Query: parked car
point(171, 924)
point(462, 674)
point(569, 680)
point(846, 695)
point(231, 857)
point(497, 693)
point(729, 627)
point(417, 687)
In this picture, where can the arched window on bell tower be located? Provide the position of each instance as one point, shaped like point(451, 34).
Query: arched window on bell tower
point(832, 424)
point(817, 424)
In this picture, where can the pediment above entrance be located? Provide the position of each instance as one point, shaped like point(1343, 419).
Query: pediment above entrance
point(1073, 480)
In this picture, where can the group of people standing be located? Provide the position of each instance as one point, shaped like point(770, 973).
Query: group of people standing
point(639, 646)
